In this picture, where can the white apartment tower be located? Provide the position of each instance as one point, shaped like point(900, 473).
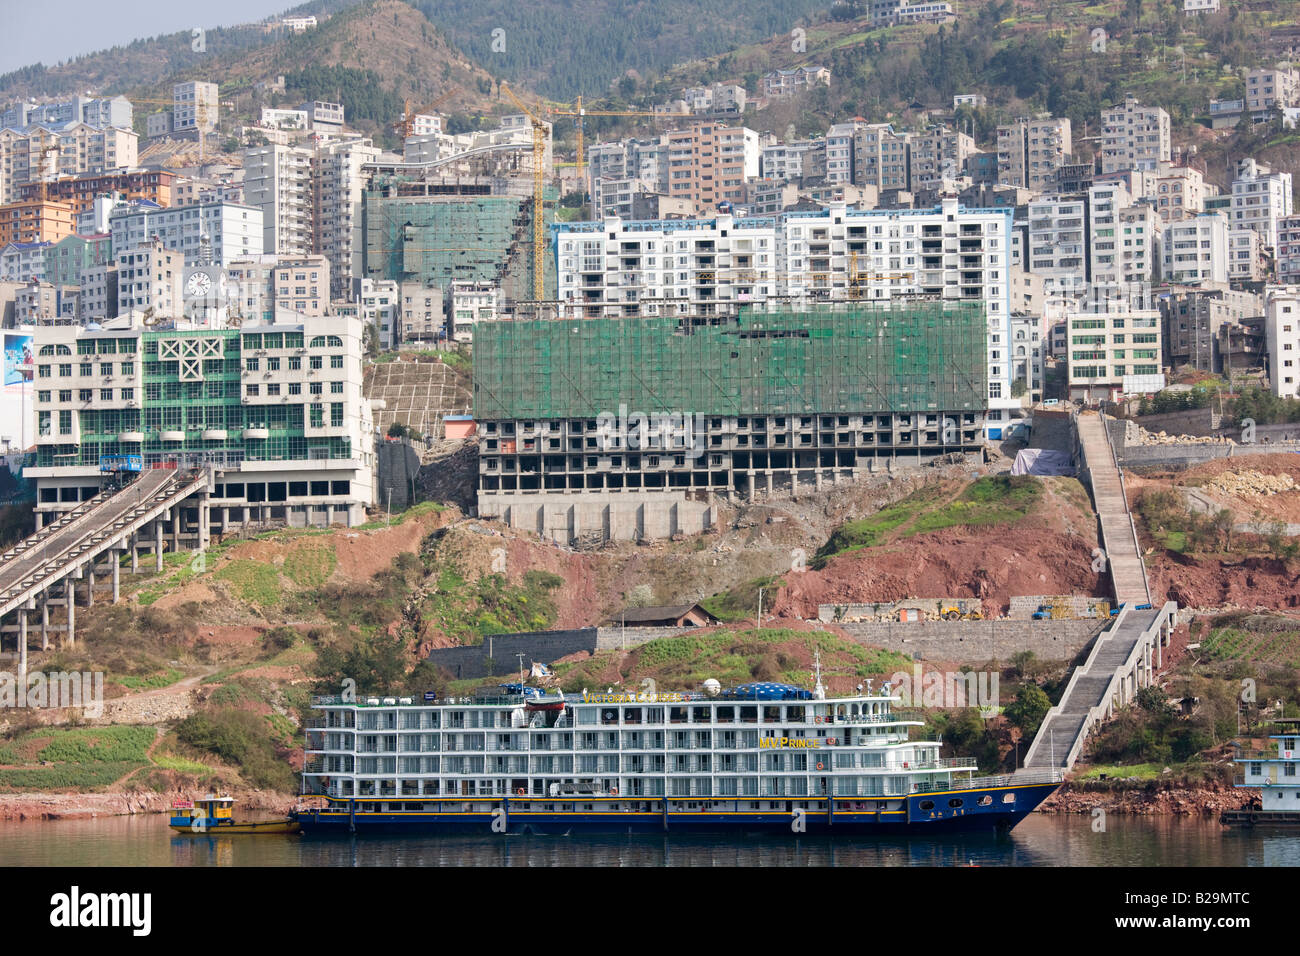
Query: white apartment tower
point(1031, 150)
point(195, 106)
point(1282, 336)
point(1260, 197)
point(1134, 137)
point(278, 180)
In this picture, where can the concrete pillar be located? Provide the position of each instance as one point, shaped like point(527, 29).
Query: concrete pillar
point(45, 622)
point(157, 543)
point(90, 586)
point(22, 644)
point(71, 596)
point(175, 515)
point(117, 566)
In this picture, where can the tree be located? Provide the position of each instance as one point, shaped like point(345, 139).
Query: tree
point(1028, 709)
point(640, 596)
point(397, 430)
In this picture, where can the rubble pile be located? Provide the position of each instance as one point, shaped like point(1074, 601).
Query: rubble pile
point(1251, 484)
point(1161, 438)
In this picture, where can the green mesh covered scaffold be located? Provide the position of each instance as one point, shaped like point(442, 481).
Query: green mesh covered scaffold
point(844, 357)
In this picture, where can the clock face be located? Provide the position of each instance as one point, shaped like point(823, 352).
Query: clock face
point(199, 284)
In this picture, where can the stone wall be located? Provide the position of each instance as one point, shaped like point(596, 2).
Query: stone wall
point(609, 638)
point(625, 516)
point(975, 642)
point(398, 466)
point(497, 655)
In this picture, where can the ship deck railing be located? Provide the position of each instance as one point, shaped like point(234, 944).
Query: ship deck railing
point(1260, 755)
point(505, 700)
point(1259, 780)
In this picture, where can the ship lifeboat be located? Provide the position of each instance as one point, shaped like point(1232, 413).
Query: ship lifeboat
point(545, 703)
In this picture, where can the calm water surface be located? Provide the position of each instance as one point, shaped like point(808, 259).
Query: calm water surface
point(1042, 840)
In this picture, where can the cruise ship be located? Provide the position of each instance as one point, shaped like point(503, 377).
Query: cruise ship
point(760, 757)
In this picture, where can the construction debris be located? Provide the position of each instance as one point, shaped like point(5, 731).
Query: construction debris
point(1251, 484)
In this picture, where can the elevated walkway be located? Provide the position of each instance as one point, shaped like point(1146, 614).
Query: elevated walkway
point(1124, 659)
point(43, 569)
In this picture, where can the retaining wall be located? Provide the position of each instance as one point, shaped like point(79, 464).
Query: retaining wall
point(975, 642)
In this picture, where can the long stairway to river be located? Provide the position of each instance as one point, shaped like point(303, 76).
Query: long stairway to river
point(1127, 655)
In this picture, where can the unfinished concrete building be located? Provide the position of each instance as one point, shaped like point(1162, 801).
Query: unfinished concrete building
point(631, 428)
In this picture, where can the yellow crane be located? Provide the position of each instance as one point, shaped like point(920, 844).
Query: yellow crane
point(578, 110)
point(407, 122)
point(539, 230)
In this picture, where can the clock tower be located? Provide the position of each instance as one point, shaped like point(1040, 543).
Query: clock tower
point(205, 290)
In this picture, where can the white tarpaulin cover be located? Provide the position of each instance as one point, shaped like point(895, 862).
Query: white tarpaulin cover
point(1042, 461)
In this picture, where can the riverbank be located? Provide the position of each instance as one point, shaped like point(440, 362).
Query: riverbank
point(1149, 798)
point(16, 807)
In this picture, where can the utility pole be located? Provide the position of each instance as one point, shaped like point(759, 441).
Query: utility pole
point(760, 609)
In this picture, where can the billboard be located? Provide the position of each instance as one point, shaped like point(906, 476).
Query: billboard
point(16, 373)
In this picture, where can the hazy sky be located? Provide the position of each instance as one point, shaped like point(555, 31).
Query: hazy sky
point(47, 31)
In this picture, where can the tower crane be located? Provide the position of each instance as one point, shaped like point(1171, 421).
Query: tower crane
point(200, 115)
point(578, 110)
point(407, 122)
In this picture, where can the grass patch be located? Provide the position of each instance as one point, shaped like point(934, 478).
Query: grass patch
point(181, 765)
point(1143, 771)
point(741, 602)
point(310, 565)
point(470, 611)
point(252, 581)
point(987, 501)
point(76, 759)
point(150, 682)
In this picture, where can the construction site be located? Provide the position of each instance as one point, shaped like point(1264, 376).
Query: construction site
point(630, 429)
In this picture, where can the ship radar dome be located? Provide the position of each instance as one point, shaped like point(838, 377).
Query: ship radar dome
point(712, 687)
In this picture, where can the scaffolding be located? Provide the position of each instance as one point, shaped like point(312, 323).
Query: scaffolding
point(852, 358)
point(437, 239)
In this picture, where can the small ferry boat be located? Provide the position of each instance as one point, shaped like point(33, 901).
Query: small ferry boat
point(215, 814)
point(761, 757)
point(1276, 773)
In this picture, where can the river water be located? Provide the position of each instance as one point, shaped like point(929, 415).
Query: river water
point(1041, 840)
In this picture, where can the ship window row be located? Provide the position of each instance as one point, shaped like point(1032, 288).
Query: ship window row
point(607, 763)
point(778, 739)
point(434, 719)
point(785, 740)
point(608, 786)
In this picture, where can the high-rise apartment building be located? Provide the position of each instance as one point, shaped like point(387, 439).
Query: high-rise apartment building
point(1134, 137)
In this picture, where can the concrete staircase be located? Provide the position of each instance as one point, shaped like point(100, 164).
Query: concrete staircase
point(1118, 536)
point(1124, 659)
point(1126, 656)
